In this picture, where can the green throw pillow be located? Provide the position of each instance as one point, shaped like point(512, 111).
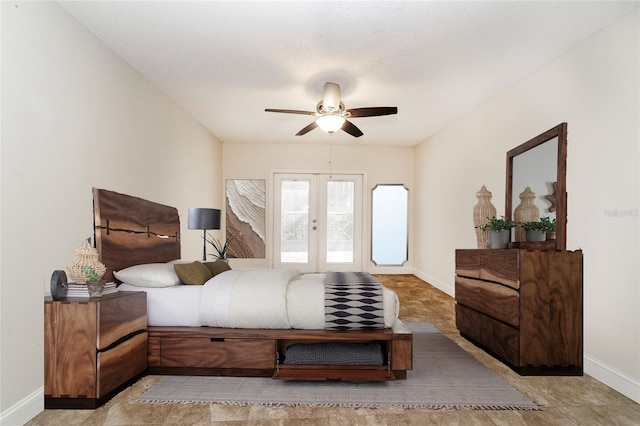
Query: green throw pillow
point(192, 273)
point(216, 267)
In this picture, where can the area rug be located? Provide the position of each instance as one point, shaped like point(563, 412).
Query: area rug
point(444, 376)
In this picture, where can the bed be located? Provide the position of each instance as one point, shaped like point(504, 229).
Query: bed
point(189, 336)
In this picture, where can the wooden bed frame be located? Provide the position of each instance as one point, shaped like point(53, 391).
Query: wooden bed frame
point(131, 231)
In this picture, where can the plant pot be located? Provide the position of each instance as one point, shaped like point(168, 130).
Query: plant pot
point(95, 288)
point(500, 239)
point(551, 236)
point(536, 235)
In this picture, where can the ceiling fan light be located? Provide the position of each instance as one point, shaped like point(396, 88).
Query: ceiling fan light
point(330, 123)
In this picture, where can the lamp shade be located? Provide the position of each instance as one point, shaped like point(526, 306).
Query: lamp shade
point(200, 218)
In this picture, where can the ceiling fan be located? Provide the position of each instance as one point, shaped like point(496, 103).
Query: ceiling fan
point(332, 115)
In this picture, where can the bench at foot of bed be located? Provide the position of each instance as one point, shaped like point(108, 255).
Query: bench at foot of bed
point(254, 352)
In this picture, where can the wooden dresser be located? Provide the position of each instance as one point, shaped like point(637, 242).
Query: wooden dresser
point(93, 347)
point(523, 306)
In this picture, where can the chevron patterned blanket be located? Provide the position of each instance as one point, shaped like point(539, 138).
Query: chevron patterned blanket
point(353, 301)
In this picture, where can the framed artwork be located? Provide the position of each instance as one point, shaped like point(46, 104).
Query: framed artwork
point(246, 217)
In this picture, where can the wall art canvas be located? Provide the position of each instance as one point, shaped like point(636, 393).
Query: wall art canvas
point(246, 217)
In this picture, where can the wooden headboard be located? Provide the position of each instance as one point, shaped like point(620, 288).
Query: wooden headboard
point(131, 231)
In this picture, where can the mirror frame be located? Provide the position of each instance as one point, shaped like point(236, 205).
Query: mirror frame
point(560, 131)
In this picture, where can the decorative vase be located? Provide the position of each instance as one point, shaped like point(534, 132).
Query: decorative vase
point(500, 239)
point(481, 211)
point(551, 236)
point(526, 211)
point(536, 235)
point(85, 256)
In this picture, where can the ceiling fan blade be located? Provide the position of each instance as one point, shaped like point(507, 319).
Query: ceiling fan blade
point(307, 129)
point(350, 128)
point(372, 111)
point(290, 111)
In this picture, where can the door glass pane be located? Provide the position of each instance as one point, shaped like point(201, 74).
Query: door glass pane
point(340, 211)
point(294, 234)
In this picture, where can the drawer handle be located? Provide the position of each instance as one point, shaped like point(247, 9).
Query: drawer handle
point(217, 339)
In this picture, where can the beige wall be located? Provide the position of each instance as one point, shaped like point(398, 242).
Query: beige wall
point(74, 116)
point(595, 88)
point(380, 165)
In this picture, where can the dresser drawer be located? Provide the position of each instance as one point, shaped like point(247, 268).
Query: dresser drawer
point(495, 300)
point(501, 266)
point(499, 338)
point(122, 362)
point(468, 263)
point(218, 353)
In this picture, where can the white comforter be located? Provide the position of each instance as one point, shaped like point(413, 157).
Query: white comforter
point(248, 298)
point(271, 298)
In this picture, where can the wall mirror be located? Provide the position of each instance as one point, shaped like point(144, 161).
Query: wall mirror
point(541, 165)
point(389, 225)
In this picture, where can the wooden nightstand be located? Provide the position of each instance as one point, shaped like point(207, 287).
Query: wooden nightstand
point(93, 347)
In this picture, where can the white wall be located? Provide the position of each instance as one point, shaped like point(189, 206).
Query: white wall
point(75, 116)
point(595, 88)
point(381, 165)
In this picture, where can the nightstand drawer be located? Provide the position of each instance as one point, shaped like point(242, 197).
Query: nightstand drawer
point(120, 316)
point(119, 364)
point(217, 353)
point(495, 300)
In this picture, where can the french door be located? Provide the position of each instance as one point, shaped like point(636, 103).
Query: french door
point(318, 222)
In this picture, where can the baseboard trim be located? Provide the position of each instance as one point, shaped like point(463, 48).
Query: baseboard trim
point(612, 378)
point(389, 270)
point(24, 410)
point(440, 285)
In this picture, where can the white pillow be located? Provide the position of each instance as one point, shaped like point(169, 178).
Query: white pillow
point(149, 275)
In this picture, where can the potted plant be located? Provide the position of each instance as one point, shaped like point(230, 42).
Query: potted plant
point(535, 230)
point(95, 284)
point(549, 227)
point(500, 229)
point(220, 248)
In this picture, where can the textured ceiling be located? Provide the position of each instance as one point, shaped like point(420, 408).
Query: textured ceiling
point(225, 62)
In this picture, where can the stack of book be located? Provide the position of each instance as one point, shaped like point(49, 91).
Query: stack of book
point(81, 290)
